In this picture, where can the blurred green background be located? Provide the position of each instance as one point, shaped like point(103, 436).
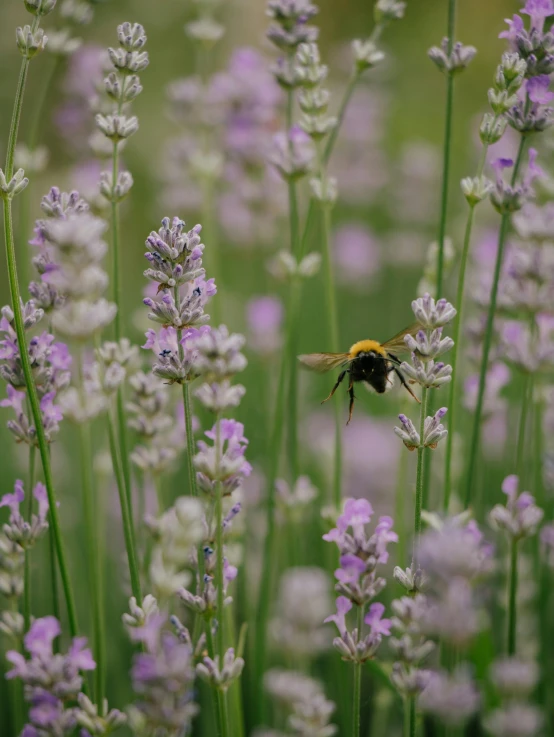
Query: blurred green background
point(413, 94)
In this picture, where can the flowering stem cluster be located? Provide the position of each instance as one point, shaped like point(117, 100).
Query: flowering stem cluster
point(427, 345)
point(30, 41)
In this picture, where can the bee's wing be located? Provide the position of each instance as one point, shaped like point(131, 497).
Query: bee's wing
point(322, 362)
point(397, 344)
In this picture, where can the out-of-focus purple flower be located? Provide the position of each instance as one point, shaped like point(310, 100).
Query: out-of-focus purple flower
point(264, 316)
point(452, 698)
point(538, 11)
point(14, 500)
point(163, 677)
point(344, 605)
point(351, 569)
point(292, 154)
point(454, 551)
point(302, 603)
point(520, 517)
point(357, 255)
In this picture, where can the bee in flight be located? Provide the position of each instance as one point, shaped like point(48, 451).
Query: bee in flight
point(368, 361)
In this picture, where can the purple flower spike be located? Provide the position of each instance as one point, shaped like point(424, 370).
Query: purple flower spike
point(356, 514)
point(377, 625)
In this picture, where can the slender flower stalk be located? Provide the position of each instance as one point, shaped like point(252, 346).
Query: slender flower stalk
point(419, 478)
point(27, 579)
point(508, 79)
point(512, 599)
point(124, 506)
point(487, 340)
point(92, 514)
point(446, 149)
point(357, 688)
point(30, 45)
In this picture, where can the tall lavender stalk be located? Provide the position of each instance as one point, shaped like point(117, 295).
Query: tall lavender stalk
point(527, 115)
point(427, 345)
point(122, 86)
point(508, 79)
point(519, 519)
point(30, 41)
point(358, 583)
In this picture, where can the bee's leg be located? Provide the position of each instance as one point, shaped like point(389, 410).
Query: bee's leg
point(334, 389)
point(404, 383)
point(351, 394)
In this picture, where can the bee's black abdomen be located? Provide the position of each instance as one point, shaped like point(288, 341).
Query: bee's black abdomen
point(371, 368)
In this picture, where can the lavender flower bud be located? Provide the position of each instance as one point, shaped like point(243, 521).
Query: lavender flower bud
point(217, 354)
point(514, 678)
point(123, 89)
point(87, 717)
point(529, 120)
point(520, 517)
point(428, 374)
point(514, 720)
point(476, 189)
point(32, 160)
point(412, 582)
point(62, 42)
point(366, 55)
point(310, 72)
point(454, 61)
point(409, 681)
point(452, 698)
point(431, 314)
point(8, 190)
point(428, 345)
point(434, 430)
point(510, 73)
point(324, 190)
point(77, 12)
point(492, 128)
point(117, 127)
point(40, 7)
point(128, 62)
point(30, 44)
point(138, 616)
point(221, 679)
point(12, 624)
point(407, 433)
point(501, 101)
point(131, 36)
point(387, 10)
point(205, 30)
point(218, 397)
point(122, 188)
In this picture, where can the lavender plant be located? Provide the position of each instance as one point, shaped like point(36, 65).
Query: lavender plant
point(218, 493)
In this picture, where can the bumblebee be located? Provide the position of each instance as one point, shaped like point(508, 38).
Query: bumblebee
point(369, 361)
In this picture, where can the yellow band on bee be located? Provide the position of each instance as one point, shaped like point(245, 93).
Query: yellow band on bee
point(364, 346)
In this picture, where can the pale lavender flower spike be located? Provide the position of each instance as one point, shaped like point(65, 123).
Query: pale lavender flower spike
point(520, 517)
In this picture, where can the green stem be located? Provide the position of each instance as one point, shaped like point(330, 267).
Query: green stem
point(25, 363)
point(399, 504)
point(357, 695)
point(27, 576)
point(219, 708)
point(266, 584)
point(409, 716)
point(16, 690)
point(347, 96)
point(35, 404)
point(53, 571)
point(190, 440)
point(125, 517)
point(446, 152)
point(452, 395)
point(487, 341)
point(219, 547)
point(512, 599)
point(293, 364)
point(527, 398)
point(538, 447)
point(116, 279)
point(94, 548)
point(419, 477)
